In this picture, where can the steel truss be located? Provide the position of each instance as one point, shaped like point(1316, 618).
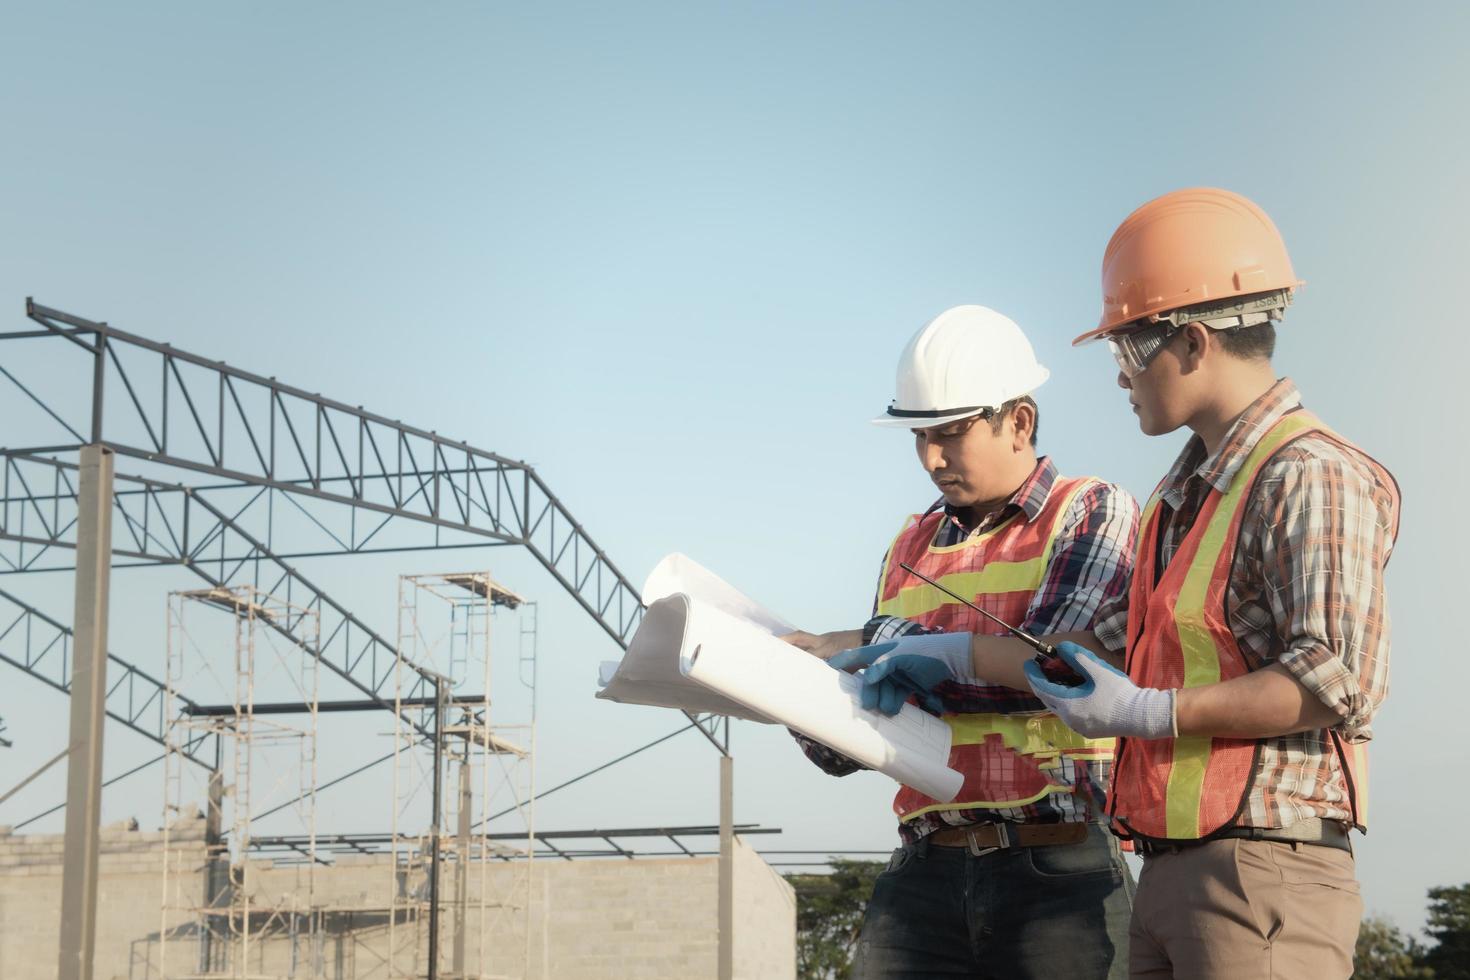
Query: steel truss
point(172, 524)
point(41, 647)
point(207, 416)
point(276, 450)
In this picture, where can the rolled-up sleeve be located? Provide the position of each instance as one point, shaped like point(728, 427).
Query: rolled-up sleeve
point(1326, 541)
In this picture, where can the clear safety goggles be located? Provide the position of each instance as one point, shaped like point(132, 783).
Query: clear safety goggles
point(1135, 349)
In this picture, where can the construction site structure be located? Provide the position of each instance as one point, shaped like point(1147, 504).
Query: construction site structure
point(230, 476)
point(216, 919)
point(237, 913)
point(440, 841)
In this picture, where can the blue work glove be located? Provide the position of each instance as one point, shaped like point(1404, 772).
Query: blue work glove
point(859, 658)
point(1107, 703)
point(908, 666)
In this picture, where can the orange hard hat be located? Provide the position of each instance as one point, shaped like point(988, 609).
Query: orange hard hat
point(1203, 250)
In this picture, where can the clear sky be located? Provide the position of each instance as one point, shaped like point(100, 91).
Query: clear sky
point(668, 253)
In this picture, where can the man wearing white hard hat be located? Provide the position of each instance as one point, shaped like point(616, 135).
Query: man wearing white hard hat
point(1017, 876)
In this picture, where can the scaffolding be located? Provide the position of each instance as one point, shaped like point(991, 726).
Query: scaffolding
point(440, 842)
point(219, 918)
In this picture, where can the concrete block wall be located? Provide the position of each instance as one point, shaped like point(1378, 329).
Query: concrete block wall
point(129, 899)
point(649, 919)
point(765, 919)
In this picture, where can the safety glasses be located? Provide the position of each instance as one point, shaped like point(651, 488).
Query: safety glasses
point(958, 428)
point(1136, 349)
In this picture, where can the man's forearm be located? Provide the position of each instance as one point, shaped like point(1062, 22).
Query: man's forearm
point(825, 646)
point(1262, 704)
point(998, 660)
point(1001, 659)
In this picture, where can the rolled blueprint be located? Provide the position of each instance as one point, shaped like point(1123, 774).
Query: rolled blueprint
point(680, 573)
point(714, 649)
point(650, 672)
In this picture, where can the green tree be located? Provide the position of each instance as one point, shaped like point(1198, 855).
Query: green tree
point(829, 913)
point(1449, 927)
point(1385, 953)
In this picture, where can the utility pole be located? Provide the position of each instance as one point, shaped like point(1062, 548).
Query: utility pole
point(88, 701)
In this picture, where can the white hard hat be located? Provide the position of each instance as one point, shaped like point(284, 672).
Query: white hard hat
point(965, 360)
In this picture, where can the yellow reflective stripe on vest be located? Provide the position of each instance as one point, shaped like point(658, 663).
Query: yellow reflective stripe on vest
point(888, 559)
point(1196, 643)
point(996, 577)
point(1359, 777)
point(1041, 734)
point(1148, 515)
point(1051, 789)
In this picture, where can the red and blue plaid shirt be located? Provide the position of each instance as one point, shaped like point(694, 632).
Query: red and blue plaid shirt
point(1092, 561)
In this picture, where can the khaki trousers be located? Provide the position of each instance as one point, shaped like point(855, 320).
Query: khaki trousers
point(1245, 910)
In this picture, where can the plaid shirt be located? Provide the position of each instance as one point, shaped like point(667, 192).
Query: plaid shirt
point(1306, 592)
point(1091, 562)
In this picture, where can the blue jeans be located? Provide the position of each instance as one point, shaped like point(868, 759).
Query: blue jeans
point(1043, 912)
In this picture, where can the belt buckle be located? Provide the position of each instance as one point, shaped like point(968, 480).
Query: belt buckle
point(977, 851)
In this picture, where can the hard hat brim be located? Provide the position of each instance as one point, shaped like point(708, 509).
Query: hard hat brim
point(1097, 333)
point(923, 421)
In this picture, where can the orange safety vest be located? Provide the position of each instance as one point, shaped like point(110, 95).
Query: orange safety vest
point(1007, 759)
point(1179, 636)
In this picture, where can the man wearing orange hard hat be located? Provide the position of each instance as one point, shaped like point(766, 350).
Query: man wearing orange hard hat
point(1254, 640)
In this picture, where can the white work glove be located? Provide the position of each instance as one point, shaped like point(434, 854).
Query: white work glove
point(1106, 703)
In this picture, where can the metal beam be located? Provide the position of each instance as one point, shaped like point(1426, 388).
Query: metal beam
point(321, 708)
point(368, 843)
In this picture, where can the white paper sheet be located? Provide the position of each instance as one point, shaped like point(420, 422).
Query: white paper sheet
point(705, 646)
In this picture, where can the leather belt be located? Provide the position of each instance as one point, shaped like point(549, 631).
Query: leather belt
point(982, 838)
point(1314, 832)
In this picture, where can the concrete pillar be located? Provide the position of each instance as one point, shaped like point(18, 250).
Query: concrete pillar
point(727, 868)
point(88, 713)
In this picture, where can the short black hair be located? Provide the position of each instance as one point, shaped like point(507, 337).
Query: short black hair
point(1008, 407)
point(1255, 343)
